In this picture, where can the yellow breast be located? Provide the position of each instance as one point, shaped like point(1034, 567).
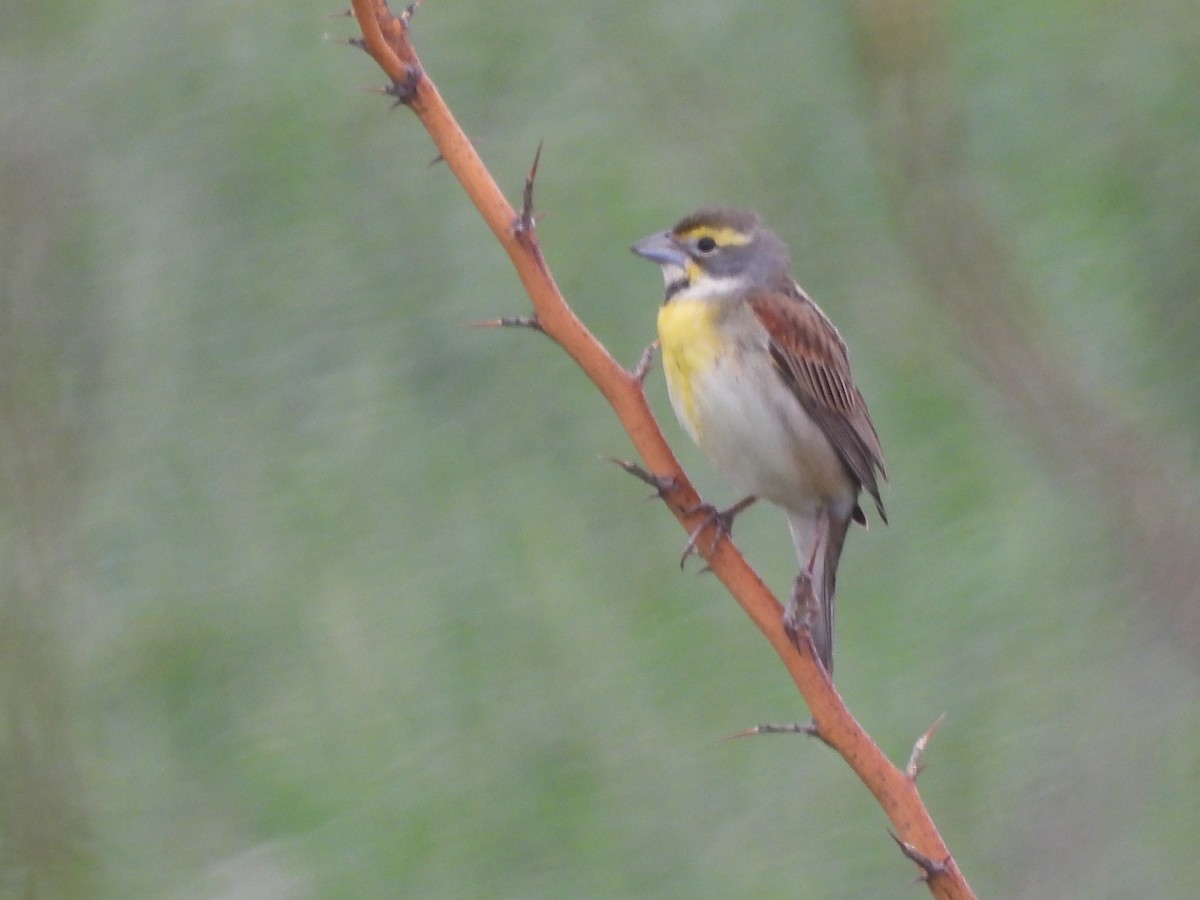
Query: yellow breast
point(690, 345)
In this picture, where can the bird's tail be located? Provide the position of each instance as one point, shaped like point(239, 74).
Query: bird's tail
point(818, 541)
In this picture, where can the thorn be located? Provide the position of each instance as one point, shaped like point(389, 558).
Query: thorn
point(347, 13)
point(405, 90)
point(353, 42)
point(530, 322)
point(527, 206)
point(642, 369)
point(809, 728)
point(930, 868)
point(662, 484)
point(527, 221)
point(437, 159)
point(406, 16)
point(914, 767)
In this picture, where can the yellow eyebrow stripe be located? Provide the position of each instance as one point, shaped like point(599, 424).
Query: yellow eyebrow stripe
point(725, 237)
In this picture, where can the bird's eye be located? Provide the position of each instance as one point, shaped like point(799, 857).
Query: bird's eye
point(706, 244)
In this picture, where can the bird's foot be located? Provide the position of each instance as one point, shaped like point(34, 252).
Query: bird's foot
point(801, 608)
point(720, 519)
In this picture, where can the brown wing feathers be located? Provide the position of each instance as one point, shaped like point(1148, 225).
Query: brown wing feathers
point(812, 360)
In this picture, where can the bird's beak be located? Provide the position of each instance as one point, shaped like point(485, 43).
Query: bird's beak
point(662, 249)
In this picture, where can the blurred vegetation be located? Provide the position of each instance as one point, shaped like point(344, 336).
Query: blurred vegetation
point(308, 590)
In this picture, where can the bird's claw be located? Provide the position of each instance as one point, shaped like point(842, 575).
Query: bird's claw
point(720, 519)
point(801, 609)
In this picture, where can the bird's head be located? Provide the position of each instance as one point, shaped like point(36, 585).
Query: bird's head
point(715, 252)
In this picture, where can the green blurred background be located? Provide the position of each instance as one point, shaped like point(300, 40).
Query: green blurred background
point(308, 590)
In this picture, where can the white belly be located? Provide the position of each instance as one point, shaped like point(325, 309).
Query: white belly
point(758, 436)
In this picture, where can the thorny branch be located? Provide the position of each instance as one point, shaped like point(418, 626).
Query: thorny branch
point(386, 37)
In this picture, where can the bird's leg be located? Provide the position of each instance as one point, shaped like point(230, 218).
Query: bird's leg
point(801, 608)
point(722, 519)
point(822, 529)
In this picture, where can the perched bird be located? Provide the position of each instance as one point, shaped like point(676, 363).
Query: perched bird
point(760, 379)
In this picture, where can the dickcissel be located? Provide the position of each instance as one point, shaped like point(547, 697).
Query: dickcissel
point(760, 379)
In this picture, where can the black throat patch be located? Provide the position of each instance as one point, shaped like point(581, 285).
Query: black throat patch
point(674, 288)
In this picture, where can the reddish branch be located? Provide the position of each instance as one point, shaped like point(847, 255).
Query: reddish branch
point(386, 38)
